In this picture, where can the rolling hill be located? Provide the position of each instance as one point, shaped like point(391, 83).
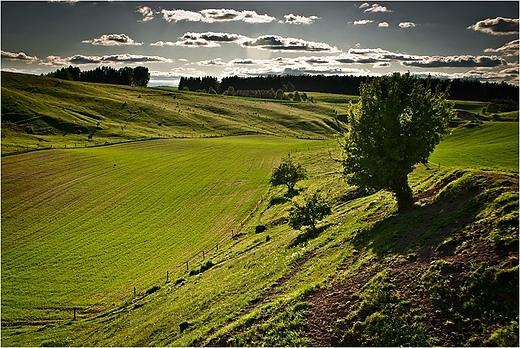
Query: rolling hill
point(120, 244)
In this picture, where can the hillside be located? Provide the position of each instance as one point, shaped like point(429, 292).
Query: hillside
point(119, 245)
point(43, 112)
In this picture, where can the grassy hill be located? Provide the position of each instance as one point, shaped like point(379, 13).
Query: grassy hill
point(42, 112)
point(137, 238)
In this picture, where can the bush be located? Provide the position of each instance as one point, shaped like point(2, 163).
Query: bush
point(308, 214)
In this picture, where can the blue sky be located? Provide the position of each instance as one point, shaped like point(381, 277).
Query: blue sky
point(173, 39)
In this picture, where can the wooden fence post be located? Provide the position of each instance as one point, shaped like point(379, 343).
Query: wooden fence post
point(167, 274)
point(134, 291)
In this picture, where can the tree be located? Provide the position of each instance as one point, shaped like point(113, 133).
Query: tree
point(308, 214)
point(396, 124)
point(288, 173)
point(141, 76)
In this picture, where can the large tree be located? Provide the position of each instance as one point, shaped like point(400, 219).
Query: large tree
point(395, 125)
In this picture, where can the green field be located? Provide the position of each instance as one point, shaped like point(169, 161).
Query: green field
point(84, 226)
point(492, 145)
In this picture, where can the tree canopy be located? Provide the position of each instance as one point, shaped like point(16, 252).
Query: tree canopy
point(288, 173)
point(308, 214)
point(396, 124)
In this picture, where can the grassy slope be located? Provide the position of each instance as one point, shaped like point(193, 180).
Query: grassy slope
point(267, 291)
point(43, 112)
point(116, 217)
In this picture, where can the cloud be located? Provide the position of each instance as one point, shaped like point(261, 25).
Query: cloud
point(278, 43)
point(364, 5)
point(296, 19)
point(147, 12)
point(497, 26)
point(405, 25)
point(383, 25)
point(216, 15)
point(207, 39)
point(375, 8)
point(113, 40)
point(463, 61)
point(19, 56)
point(509, 49)
point(80, 59)
point(362, 21)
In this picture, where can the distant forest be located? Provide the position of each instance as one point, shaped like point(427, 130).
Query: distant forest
point(138, 76)
point(459, 89)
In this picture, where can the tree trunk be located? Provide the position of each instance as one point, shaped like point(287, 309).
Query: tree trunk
point(404, 196)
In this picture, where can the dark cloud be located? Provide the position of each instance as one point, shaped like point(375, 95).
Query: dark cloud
point(113, 40)
point(509, 49)
point(465, 61)
point(79, 59)
point(19, 56)
point(497, 26)
point(279, 43)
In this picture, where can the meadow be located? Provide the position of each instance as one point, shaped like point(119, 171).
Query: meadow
point(81, 228)
point(84, 226)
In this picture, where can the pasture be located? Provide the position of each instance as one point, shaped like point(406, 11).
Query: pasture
point(81, 228)
point(85, 226)
point(491, 145)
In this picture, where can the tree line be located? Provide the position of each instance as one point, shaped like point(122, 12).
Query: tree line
point(138, 76)
point(459, 89)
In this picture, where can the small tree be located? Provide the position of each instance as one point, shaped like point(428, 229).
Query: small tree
point(288, 173)
point(308, 214)
point(396, 124)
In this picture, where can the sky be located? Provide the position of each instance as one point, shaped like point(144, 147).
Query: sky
point(469, 39)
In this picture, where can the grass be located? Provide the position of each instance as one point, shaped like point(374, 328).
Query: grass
point(116, 217)
point(82, 227)
point(40, 112)
point(492, 145)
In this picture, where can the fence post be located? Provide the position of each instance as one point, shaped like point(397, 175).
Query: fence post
point(134, 292)
point(187, 265)
point(74, 313)
point(203, 254)
point(167, 274)
point(217, 246)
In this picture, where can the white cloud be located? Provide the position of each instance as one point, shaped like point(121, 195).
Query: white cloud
point(181, 15)
point(80, 59)
point(383, 25)
point(279, 43)
point(113, 40)
point(497, 26)
point(296, 19)
point(19, 56)
point(216, 15)
point(362, 21)
point(376, 8)
point(462, 61)
point(208, 39)
point(147, 12)
point(364, 5)
point(405, 25)
point(509, 49)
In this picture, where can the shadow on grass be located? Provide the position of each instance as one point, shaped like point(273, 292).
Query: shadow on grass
point(422, 227)
point(308, 235)
point(285, 198)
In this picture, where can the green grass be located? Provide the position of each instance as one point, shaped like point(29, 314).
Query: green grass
point(81, 228)
point(41, 112)
point(492, 145)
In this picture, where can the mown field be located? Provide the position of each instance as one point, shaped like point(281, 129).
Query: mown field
point(82, 227)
